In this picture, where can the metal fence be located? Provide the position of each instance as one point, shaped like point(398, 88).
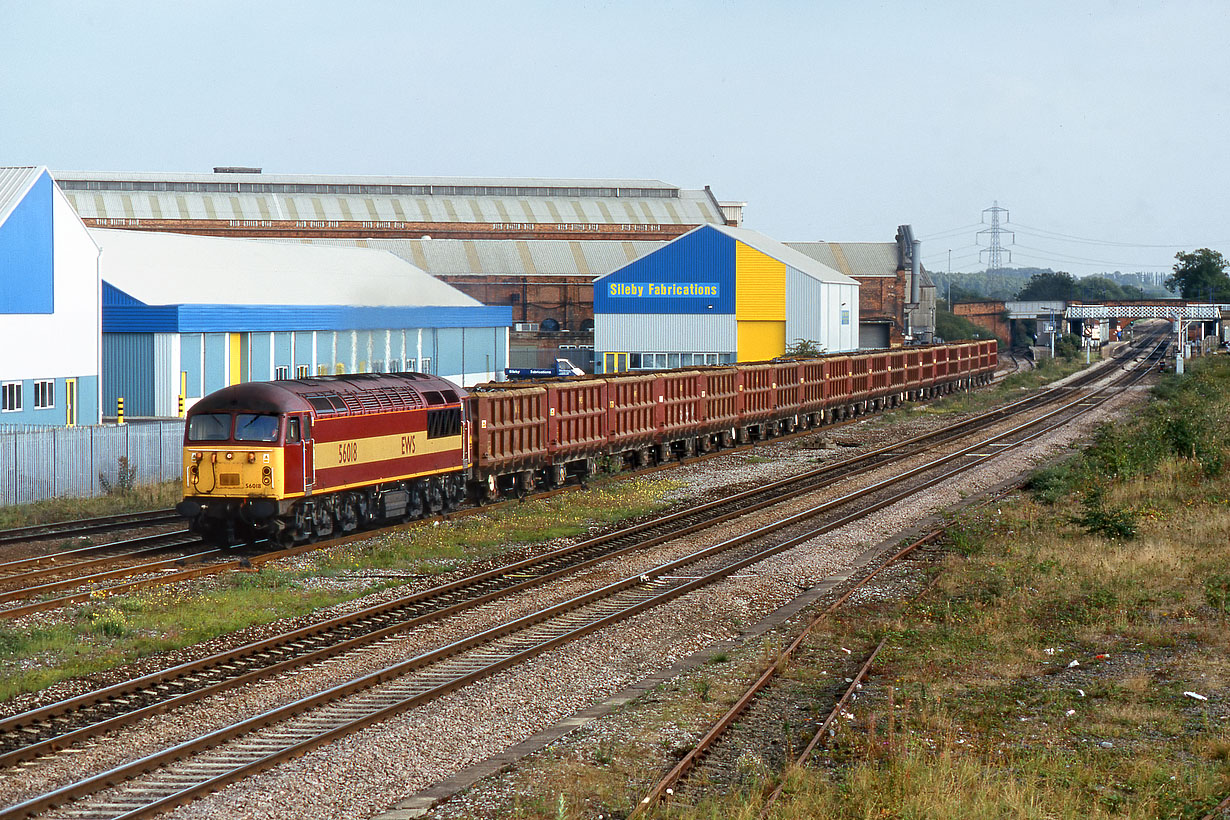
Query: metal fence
point(37, 463)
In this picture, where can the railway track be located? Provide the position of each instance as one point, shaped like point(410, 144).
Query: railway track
point(23, 578)
point(511, 643)
point(58, 725)
point(690, 766)
point(89, 526)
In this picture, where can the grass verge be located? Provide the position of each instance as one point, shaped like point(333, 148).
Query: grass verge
point(110, 631)
point(53, 510)
point(1060, 668)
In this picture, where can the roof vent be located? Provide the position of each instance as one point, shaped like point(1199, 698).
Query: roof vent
point(235, 169)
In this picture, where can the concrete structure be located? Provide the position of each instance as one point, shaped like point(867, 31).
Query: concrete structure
point(718, 295)
point(187, 315)
point(49, 298)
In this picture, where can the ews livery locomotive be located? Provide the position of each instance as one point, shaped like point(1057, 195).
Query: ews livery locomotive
point(305, 458)
point(301, 459)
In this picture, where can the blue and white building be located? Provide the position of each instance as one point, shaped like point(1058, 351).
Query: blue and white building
point(49, 305)
point(186, 315)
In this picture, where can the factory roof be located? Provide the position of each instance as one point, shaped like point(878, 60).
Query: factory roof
point(383, 199)
point(512, 257)
point(817, 269)
point(15, 183)
point(174, 269)
point(853, 258)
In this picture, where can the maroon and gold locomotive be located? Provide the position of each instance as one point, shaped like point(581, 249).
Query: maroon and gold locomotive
point(301, 459)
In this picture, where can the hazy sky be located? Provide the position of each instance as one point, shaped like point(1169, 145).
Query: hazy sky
point(1108, 122)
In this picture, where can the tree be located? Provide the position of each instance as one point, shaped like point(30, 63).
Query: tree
point(1200, 274)
point(1048, 285)
point(1103, 289)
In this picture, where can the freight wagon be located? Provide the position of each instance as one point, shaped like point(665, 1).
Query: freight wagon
point(300, 459)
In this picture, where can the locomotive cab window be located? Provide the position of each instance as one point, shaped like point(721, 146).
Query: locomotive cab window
point(292, 430)
point(256, 427)
point(442, 423)
point(209, 427)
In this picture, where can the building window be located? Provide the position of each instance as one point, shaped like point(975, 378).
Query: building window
point(44, 394)
point(395, 366)
point(377, 366)
point(280, 373)
point(425, 365)
point(11, 401)
point(302, 371)
point(322, 370)
point(412, 366)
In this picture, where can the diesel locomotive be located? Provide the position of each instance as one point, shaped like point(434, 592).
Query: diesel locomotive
point(301, 459)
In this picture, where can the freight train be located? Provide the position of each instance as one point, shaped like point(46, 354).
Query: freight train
point(296, 460)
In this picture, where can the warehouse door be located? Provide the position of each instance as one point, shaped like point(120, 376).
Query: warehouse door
point(614, 362)
point(70, 401)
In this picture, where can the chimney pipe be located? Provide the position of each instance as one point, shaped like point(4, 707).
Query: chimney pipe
point(915, 272)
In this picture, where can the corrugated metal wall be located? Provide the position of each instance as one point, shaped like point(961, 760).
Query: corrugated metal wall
point(66, 462)
point(128, 362)
point(166, 374)
point(760, 304)
point(190, 362)
point(653, 332)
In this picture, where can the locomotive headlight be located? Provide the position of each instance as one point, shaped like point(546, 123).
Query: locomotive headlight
point(230, 456)
point(193, 475)
point(267, 476)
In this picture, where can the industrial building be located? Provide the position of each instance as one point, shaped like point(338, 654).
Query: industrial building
point(186, 315)
point(717, 295)
point(534, 245)
point(244, 202)
point(49, 300)
point(896, 295)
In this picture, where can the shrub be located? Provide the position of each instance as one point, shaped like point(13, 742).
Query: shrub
point(125, 479)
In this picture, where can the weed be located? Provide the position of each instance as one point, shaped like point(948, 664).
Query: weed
point(125, 479)
point(1217, 592)
point(1116, 523)
point(702, 687)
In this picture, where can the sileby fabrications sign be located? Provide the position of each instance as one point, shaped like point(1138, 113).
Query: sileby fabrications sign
point(639, 290)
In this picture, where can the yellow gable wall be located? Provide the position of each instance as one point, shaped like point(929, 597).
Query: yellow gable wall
point(760, 304)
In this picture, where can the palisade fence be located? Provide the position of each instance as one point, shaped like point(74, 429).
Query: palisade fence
point(37, 463)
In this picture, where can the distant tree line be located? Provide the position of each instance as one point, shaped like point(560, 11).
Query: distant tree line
point(1199, 274)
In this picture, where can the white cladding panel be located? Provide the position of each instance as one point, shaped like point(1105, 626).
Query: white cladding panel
point(67, 341)
point(166, 374)
point(814, 310)
point(664, 333)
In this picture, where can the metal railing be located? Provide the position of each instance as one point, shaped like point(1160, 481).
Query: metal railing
point(37, 463)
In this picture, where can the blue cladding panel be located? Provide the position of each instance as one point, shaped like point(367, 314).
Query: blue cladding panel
point(448, 359)
point(124, 318)
point(703, 257)
point(57, 414)
point(303, 349)
point(258, 357)
point(217, 352)
point(112, 295)
point(128, 372)
point(190, 362)
point(27, 258)
point(281, 351)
